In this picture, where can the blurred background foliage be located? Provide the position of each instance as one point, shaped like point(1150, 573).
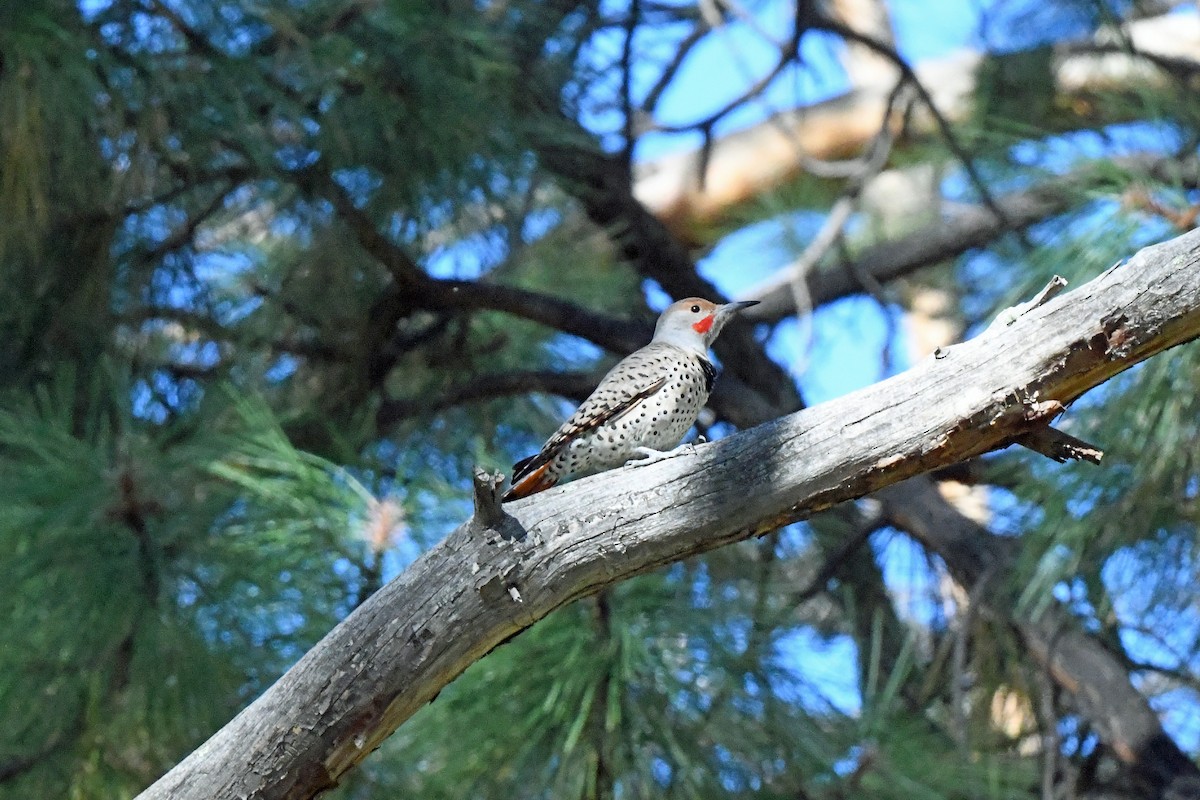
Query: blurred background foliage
point(276, 276)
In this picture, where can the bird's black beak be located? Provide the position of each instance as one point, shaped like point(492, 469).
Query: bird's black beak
point(728, 310)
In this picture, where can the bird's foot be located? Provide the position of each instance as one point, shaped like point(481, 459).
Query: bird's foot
point(648, 455)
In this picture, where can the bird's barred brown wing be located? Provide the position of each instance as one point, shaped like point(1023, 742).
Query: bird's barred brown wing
point(594, 413)
point(611, 399)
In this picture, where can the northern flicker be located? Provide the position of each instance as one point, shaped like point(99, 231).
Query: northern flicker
point(643, 406)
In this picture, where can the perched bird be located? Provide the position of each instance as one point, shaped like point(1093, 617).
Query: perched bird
point(643, 406)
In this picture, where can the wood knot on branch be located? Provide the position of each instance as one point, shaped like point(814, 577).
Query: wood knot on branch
point(501, 587)
point(1117, 336)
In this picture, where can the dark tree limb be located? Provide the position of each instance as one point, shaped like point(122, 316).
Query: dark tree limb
point(414, 289)
point(13, 767)
point(395, 652)
point(573, 385)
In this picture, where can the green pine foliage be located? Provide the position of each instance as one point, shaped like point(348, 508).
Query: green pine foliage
point(197, 479)
point(157, 578)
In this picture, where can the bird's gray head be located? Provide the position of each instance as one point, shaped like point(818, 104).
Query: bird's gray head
point(693, 323)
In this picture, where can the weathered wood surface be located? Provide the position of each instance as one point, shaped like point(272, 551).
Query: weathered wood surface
point(483, 584)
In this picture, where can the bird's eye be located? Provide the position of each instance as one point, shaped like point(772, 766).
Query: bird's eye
point(695, 309)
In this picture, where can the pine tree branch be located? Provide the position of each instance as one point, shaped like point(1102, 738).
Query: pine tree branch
point(13, 767)
point(413, 288)
point(749, 163)
point(965, 230)
point(400, 648)
point(573, 385)
point(1096, 678)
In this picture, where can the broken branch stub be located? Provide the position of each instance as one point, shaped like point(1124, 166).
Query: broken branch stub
point(488, 512)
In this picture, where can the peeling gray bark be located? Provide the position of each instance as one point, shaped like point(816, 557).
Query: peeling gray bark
point(397, 650)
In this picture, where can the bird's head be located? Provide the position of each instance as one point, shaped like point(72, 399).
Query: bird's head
point(693, 323)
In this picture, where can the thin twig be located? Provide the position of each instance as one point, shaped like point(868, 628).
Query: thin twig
point(759, 86)
point(833, 562)
point(835, 223)
point(694, 37)
point(943, 125)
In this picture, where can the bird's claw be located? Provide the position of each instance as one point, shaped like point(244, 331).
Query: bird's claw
point(648, 455)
